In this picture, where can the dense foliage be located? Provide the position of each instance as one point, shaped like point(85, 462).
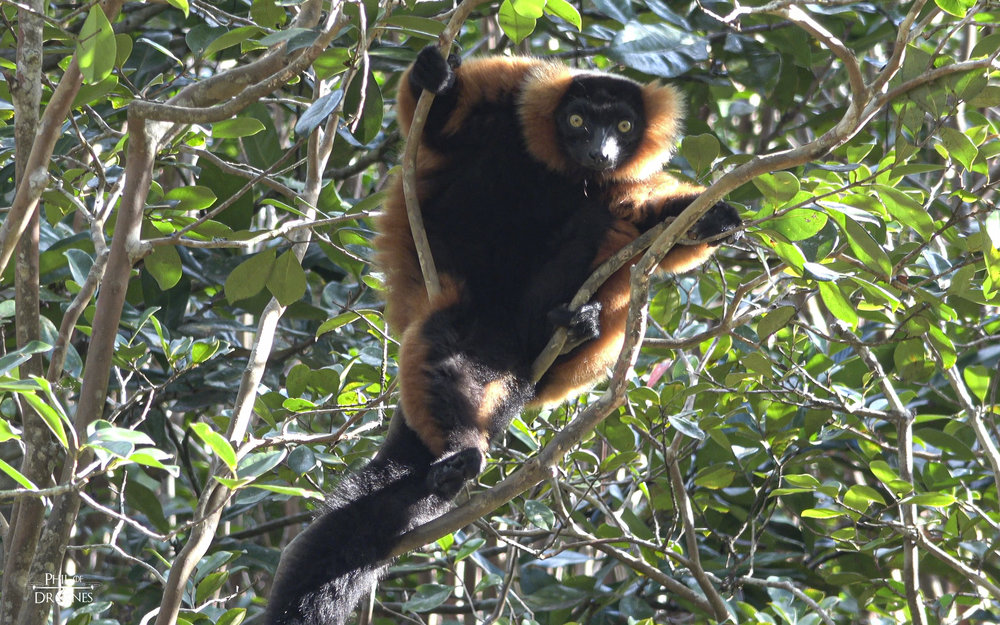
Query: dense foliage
point(192, 349)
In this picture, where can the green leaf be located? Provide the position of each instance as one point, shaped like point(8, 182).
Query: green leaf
point(715, 477)
point(200, 35)
point(944, 345)
point(232, 483)
point(539, 514)
point(907, 211)
point(292, 491)
point(992, 228)
point(428, 597)
point(52, 416)
point(232, 38)
point(566, 11)
point(207, 587)
point(959, 146)
point(190, 198)
point(802, 480)
point(202, 350)
point(7, 432)
point(932, 500)
point(342, 319)
point(249, 277)
point(859, 497)
point(16, 475)
point(889, 477)
point(659, 49)
point(789, 252)
point(318, 111)
point(96, 49)
point(364, 116)
point(686, 427)
point(237, 127)
point(866, 248)
point(533, 9)
point(106, 432)
point(17, 357)
point(987, 98)
point(150, 457)
point(822, 513)
point(911, 361)
point(774, 321)
point(834, 300)
point(297, 404)
point(821, 272)
point(414, 25)
point(257, 464)
point(287, 281)
point(778, 187)
point(89, 93)
point(799, 224)
point(217, 443)
point(617, 460)
point(233, 616)
point(513, 24)
point(164, 264)
point(180, 4)
point(267, 13)
point(977, 378)
point(700, 151)
point(958, 8)
point(469, 547)
point(123, 43)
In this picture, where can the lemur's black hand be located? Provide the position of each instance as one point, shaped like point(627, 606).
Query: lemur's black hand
point(582, 325)
point(448, 475)
point(720, 218)
point(432, 72)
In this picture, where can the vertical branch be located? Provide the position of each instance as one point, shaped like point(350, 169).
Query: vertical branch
point(686, 513)
point(427, 267)
point(904, 441)
point(97, 368)
point(976, 414)
point(40, 449)
point(213, 500)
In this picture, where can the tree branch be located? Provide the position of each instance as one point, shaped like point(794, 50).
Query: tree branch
point(424, 255)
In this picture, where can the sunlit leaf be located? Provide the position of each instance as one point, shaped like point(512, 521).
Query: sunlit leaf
point(217, 443)
point(513, 24)
point(287, 281)
point(96, 49)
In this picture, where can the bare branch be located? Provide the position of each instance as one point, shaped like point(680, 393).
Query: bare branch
point(788, 587)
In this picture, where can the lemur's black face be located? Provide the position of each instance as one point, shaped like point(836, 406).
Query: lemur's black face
point(600, 122)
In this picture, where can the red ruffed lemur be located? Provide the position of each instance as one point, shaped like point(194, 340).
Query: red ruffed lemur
point(530, 174)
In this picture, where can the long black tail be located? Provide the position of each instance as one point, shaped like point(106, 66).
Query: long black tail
point(340, 557)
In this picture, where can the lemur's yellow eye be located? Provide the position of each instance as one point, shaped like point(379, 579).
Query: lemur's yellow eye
point(575, 121)
point(624, 126)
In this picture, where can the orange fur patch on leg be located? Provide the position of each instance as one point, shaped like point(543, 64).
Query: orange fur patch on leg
point(413, 390)
point(494, 395)
point(683, 258)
